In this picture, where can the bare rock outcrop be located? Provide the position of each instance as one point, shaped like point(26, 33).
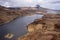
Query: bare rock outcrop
point(45, 29)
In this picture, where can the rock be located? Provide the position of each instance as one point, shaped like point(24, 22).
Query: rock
point(34, 27)
point(9, 36)
point(36, 36)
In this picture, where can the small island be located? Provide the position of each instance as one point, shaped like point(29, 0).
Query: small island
point(9, 36)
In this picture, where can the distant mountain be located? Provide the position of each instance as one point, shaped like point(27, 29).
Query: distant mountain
point(46, 10)
point(14, 8)
point(50, 10)
point(2, 6)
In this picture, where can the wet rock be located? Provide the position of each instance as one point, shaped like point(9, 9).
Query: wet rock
point(9, 36)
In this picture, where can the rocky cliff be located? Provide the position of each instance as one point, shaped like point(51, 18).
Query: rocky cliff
point(43, 29)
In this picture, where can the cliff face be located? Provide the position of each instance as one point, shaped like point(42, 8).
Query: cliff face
point(34, 27)
point(45, 29)
point(48, 22)
point(52, 21)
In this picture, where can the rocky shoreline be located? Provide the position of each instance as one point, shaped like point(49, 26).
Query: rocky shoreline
point(8, 15)
point(43, 29)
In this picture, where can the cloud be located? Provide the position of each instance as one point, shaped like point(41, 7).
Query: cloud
point(52, 4)
point(17, 2)
point(56, 2)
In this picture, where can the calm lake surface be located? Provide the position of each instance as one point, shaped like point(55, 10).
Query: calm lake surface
point(17, 26)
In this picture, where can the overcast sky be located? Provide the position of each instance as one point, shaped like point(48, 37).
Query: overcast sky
point(52, 4)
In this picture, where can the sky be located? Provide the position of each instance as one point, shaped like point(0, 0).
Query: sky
point(52, 4)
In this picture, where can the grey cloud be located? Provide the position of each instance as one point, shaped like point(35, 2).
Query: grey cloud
point(52, 4)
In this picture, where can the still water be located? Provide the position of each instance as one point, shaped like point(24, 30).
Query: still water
point(17, 26)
